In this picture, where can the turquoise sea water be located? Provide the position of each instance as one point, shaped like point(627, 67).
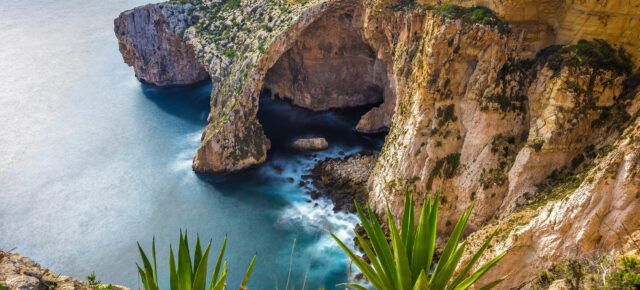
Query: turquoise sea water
point(91, 161)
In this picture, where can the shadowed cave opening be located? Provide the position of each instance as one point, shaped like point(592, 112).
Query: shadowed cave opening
point(330, 66)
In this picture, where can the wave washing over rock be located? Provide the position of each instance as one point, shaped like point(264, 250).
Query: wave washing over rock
point(535, 120)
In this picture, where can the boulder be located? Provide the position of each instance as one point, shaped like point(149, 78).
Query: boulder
point(310, 144)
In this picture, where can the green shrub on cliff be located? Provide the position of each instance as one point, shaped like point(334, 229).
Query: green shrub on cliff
point(597, 54)
point(605, 272)
point(407, 263)
point(473, 15)
point(187, 275)
point(94, 283)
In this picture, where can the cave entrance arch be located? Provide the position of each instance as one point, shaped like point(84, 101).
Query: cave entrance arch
point(331, 66)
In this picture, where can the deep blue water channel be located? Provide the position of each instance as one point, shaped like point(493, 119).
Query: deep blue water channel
point(91, 161)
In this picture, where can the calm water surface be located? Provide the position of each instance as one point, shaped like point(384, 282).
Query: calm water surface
point(92, 161)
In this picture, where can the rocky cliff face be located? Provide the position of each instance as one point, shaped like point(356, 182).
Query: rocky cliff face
point(150, 42)
point(512, 116)
point(584, 217)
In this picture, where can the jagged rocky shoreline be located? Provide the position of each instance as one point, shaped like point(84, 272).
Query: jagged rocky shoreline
point(342, 180)
point(527, 108)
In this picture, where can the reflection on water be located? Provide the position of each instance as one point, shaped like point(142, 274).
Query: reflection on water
point(93, 161)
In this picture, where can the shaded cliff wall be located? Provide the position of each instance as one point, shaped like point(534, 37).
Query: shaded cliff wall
point(330, 66)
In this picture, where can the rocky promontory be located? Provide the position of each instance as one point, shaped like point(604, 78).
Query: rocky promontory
point(21, 273)
point(149, 38)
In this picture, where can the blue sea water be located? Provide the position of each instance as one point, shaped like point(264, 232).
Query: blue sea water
point(92, 161)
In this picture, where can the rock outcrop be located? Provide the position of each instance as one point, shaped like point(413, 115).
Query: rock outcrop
point(150, 41)
point(310, 144)
point(18, 272)
point(343, 180)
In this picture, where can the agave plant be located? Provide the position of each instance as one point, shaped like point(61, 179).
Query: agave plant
point(188, 276)
point(407, 263)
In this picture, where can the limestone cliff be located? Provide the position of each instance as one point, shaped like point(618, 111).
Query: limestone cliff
point(506, 107)
point(583, 217)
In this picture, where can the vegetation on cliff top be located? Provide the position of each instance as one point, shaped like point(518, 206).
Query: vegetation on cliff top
point(473, 15)
point(597, 54)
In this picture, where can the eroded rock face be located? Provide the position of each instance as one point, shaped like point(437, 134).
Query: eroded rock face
point(330, 66)
point(586, 222)
point(149, 38)
point(483, 118)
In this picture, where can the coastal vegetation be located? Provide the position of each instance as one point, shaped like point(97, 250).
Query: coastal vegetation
point(188, 275)
point(606, 272)
point(407, 263)
point(597, 54)
point(473, 15)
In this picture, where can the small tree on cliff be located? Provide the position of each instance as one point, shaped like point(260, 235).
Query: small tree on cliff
point(406, 264)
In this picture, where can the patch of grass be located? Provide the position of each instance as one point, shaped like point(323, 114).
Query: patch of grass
point(537, 145)
point(502, 102)
point(229, 53)
point(94, 283)
point(446, 115)
point(445, 167)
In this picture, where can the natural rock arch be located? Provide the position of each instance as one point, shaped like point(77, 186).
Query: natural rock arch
point(234, 139)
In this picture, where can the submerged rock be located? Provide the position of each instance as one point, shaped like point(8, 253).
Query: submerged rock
point(310, 144)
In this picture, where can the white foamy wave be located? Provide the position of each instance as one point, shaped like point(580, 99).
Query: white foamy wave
point(183, 160)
